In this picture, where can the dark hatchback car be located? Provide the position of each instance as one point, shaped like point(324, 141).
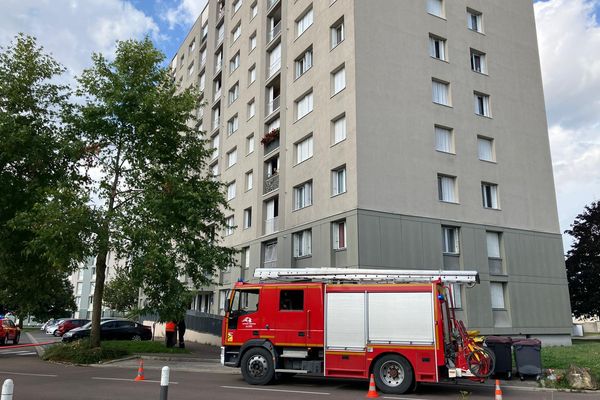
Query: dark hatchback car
point(69, 324)
point(112, 330)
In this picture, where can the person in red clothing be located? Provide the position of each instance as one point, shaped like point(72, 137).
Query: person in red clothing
point(170, 337)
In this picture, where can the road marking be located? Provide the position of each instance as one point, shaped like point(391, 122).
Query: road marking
point(275, 390)
point(129, 380)
point(27, 374)
point(29, 353)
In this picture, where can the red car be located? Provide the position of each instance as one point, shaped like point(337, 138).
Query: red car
point(69, 324)
point(9, 331)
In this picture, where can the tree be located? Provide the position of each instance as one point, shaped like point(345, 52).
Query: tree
point(121, 292)
point(158, 208)
point(38, 174)
point(583, 263)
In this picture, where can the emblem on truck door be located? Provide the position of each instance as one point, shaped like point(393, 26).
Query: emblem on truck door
point(229, 336)
point(248, 323)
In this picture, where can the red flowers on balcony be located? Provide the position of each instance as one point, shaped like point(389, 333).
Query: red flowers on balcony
point(270, 137)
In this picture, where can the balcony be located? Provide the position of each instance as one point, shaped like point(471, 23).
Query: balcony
point(271, 3)
point(273, 33)
point(271, 225)
point(272, 106)
point(271, 184)
point(274, 67)
point(216, 122)
point(218, 66)
point(217, 95)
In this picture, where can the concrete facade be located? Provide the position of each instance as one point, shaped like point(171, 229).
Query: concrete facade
point(419, 176)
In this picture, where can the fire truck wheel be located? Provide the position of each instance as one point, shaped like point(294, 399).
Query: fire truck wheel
point(393, 374)
point(257, 366)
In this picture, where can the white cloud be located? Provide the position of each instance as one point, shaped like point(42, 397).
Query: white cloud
point(185, 13)
point(569, 41)
point(72, 30)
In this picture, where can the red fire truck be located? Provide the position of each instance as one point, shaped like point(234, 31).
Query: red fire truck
point(350, 323)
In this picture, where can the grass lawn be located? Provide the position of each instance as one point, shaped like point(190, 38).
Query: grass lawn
point(80, 352)
point(583, 354)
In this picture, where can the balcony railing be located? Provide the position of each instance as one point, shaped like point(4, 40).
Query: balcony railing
point(216, 122)
point(272, 34)
point(271, 3)
point(272, 106)
point(274, 67)
point(220, 38)
point(271, 184)
point(271, 225)
point(218, 66)
point(220, 14)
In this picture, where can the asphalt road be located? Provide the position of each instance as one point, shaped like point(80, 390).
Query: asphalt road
point(36, 379)
point(9, 351)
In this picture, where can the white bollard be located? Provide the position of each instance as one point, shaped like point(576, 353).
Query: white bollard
point(164, 383)
point(7, 390)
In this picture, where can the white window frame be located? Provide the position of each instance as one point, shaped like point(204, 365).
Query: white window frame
point(234, 63)
point(437, 47)
point(233, 125)
point(339, 129)
point(339, 229)
point(232, 157)
point(478, 61)
point(234, 93)
point(338, 33)
point(477, 17)
point(229, 225)
point(231, 191)
point(303, 63)
point(489, 194)
point(485, 149)
point(304, 22)
point(482, 104)
point(253, 41)
point(447, 190)
point(302, 243)
point(493, 240)
point(250, 144)
point(304, 105)
point(440, 92)
point(253, 10)
point(249, 180)
point(236, 33)
point(304, 149)
point(498, 295)
point(436, 7)
point(444, 139)
point(303, 195)
point(251, 108)
point(251, 75)
point(450, 240)
point(247, 218)
point(338, 181)
point(338, 80)
point(237, 4)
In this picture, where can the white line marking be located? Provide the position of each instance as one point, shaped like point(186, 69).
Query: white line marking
point(129, 380)
point(29, 353)
point(275, 390)
point(25, 374)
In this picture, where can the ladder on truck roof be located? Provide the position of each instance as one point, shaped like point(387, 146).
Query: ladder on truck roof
point(364, 275)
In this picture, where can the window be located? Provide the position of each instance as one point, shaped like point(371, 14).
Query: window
point(229, 225)
point(251, 74)
point(237, 4)
point(202, 82)
point(447, 188)
point(203, 57)
point(232, 158)
point(80, 274)
point(485, 148)
point(253, 10)
point(489, 193)
point(303, 195)
point(304, 150)
point(249, 144)
point(253, 41)
point(249, 180)
point(291, 300)
point(214, 144)
point(231, 191)
point(218, 61)
point(302, 243)
point(497, 293)
point(339, 235)
point(191, 68)
point(338, 181)
point(217, 89)
point(79, 288)
point(437, 47)
point(192, 46)
point(338, 80)
point(234, 93)
point(493, 244)
point(482, 104)
point(337, 33)
point(214, 169)
point(436, 7)
point(339, 129)
point(94, 273)
point(274, 60)
point(478, 61)
point(304, 105)
point(450, 240)
point(236, 33)
point(233, 125)
point(441, 92)
point(223, 298)
point(92, 287)
point(234, 63)
point(245, 259)
point(204, 31)
point(444, 140)
point(251, 108)
point(78, 302)
point(247, 218)
point(474, 21)
point(304, 22)
point(304, 63)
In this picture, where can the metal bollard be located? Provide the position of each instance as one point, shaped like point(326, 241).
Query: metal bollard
point(164, 383)
point(7, 390)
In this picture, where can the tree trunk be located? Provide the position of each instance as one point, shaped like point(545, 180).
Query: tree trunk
point(98, 294)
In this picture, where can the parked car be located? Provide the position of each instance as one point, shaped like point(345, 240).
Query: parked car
point(46, 324)
point(112, 330)
point(68, 324)
point(9, 331)
point(50, 329)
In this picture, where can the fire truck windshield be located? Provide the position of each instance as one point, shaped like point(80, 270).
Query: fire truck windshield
point(245, 301)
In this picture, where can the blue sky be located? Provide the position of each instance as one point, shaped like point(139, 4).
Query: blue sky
point(568, 37)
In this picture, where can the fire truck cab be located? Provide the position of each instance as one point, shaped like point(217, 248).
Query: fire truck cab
point(348, 324)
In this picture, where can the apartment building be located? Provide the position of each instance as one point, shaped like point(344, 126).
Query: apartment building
point(83, 280)
point(385, 134)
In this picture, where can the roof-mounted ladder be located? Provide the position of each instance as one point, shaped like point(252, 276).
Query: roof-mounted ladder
point(366, 275)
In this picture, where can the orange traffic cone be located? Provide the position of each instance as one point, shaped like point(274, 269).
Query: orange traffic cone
point(140, 374)
point(372, 393)
point(498, 391)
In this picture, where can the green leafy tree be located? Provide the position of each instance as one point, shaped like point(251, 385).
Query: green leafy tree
point(583, 263)
point(38, 176)
point(121, 292)
point(157, 207)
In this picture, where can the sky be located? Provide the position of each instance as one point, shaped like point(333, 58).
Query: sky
point(568, 36)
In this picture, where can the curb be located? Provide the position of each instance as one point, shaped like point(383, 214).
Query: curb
point(174, 358)
point(515, 387)
point(39, 349)
point(133, 357)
